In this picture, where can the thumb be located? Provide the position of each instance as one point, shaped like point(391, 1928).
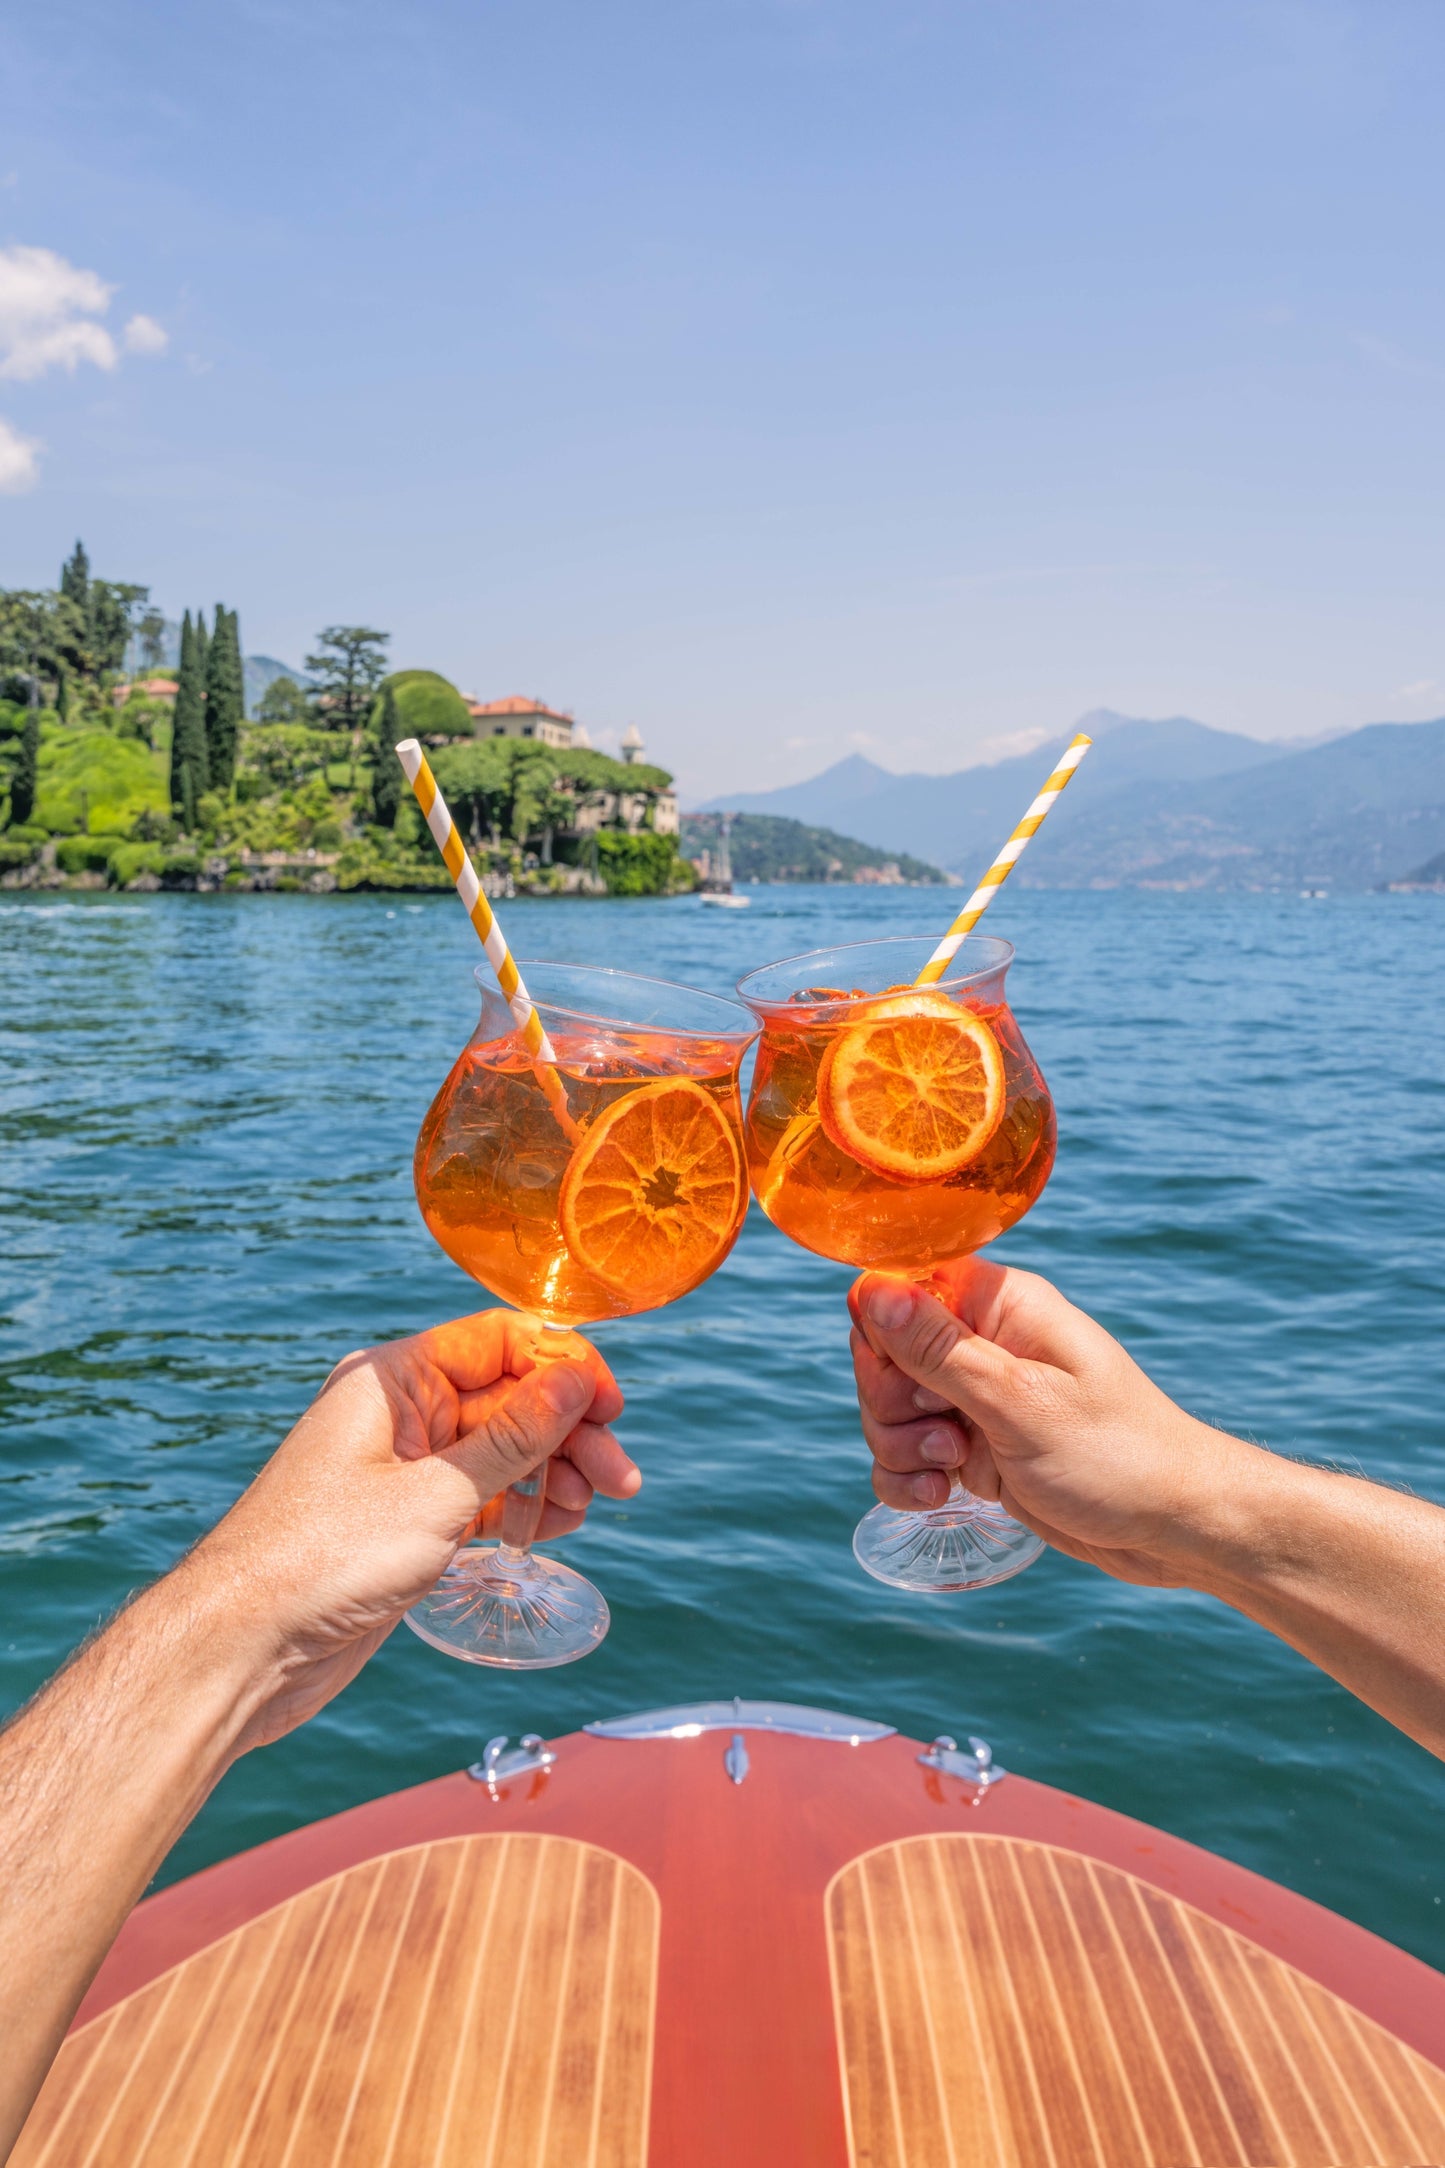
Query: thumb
point(931, 1345)
point(525, 1427)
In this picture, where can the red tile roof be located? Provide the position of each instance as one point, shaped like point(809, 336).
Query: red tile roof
point(518, 704)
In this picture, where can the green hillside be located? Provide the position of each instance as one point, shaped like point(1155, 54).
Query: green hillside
point(104, 782)
point(765, 847)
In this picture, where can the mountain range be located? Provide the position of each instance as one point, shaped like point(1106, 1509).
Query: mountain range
point(1161, 804)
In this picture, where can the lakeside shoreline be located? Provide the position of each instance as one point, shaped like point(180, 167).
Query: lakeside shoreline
point(316, 873)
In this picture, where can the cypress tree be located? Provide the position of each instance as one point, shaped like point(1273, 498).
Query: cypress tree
point(22, 783)
point(75, 577)
point(188, 723)
point(386, 774)
point(225, 698)
point(203, 662)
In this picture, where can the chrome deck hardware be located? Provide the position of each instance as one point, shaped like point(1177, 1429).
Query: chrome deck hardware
point(497, 1765)
point(735, 1761)
point(977, 1767)
point(691, 1718)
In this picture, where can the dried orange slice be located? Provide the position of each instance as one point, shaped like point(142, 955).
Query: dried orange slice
point(654, 1193)
point(913, 1091)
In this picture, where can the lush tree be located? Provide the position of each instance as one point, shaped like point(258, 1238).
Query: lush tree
point(537, 806)
point(113, 606)
point(346, 669)
point(75, 577)
point(203, 659)
point(284, 701)
point(150, 635)
point(476, 781)
point(430, 706)
point(93, 618)
point(26, 644)
point(78, 631)
point(285, 754)
point(189, 772)
point(225, 699)
point(22, 782)
point(387, 778)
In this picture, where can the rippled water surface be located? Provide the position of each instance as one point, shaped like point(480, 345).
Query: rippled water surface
point(207, 1108)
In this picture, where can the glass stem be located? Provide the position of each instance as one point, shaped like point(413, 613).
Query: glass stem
point(522, 1502)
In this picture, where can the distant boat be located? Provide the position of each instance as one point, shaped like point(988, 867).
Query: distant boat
point(717, 886)
point(739, 1934)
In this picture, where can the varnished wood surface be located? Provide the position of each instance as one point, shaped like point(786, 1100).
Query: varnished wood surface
point(745, 2070)
point(1011, 2005)
point(486, 2000)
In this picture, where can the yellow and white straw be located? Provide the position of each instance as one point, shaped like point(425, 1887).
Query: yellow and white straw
point(1003, 865)
point(464, 874)
point(807, 1120)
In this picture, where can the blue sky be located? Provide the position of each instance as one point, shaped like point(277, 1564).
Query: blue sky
point(789, 377)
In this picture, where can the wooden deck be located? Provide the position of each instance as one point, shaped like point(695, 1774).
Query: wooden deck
point(482, 2000)
point(846, 1958)
point(1011, 2005)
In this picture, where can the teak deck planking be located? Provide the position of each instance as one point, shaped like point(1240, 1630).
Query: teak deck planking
point(1010, 2005)
point(416, 1982)
point(482, 2000)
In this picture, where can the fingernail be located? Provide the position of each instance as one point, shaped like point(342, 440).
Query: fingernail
point(941, 1446)
point(925, 1489)
point(929, 1402)
point(888, 1306)
point(566, 1388)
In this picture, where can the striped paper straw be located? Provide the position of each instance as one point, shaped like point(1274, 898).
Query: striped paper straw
point(1002, 866)
point(482, 916)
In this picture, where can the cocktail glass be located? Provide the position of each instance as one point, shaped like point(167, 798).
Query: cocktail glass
point(896, 1127)
point(633, 1209)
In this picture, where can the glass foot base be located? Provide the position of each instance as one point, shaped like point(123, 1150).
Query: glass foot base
point(523, 1613)
point(966, 1543)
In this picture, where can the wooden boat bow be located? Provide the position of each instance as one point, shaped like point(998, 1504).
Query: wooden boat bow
point(743, 1934)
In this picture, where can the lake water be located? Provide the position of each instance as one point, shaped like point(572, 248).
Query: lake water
point(205, 1139)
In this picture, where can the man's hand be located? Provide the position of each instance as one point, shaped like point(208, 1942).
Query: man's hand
point(363, 1506)
point(990, 1375)
point(356, 1516)
point(993, 1376)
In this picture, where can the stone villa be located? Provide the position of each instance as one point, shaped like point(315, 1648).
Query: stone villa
point(519, 716)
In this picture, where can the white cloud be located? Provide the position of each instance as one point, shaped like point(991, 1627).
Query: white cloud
point(143, 335)
point(50, 318)
point(19, 465)
point(48, 311)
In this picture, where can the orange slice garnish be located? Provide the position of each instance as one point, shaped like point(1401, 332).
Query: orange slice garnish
point(654, 1193)
point(915, 1090)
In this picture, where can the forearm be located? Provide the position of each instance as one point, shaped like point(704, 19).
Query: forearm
point(1349, 1573)
point(98, 1778)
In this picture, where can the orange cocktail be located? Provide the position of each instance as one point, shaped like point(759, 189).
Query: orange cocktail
point(606, 1180)
point(895, 1126)
point(639, 1211)
point(900, 1128)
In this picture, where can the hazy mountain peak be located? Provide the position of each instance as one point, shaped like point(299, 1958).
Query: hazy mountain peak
point(1100, 721)
point(1168, 802)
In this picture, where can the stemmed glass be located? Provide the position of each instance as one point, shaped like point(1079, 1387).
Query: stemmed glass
point(895, 1127)
point(636, 1207)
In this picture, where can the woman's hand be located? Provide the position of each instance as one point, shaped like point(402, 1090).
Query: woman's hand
point(991, 1375)
point(363, 1506)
